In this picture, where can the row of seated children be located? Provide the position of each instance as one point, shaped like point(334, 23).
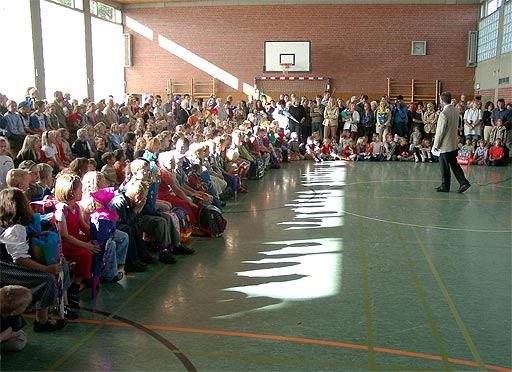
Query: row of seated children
point(482, 154)
point(393, 148)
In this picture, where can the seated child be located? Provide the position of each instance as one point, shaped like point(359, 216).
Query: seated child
point(414, 149)
point(496, 154)
point(74, 232)
point(120, 165)
point(18, 178)
point(34, 191)
point(14, 299)
point(362, 149)
point(45, 179)
point(326, 150)
point(349, 151)
point(108, 170)
point(294, 147)
point(465, 154)
point(312, 151)
point(389, 148)
point(376, 147)
point(426, 151)
point(101, 145)
point(49, 150)
point(6, 162)
point(402, 150)
point(481, 153)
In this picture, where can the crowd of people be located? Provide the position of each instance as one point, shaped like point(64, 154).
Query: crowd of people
point(122, 180)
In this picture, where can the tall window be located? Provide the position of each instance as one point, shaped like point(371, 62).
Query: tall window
point(108, 56)
point(488, 37)
point(63, 50)
point(17, 62)
point(506, 41)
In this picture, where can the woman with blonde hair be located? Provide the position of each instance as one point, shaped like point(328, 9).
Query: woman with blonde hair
point(330, 122)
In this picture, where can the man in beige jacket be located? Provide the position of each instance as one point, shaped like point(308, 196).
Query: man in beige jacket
point(445, 142)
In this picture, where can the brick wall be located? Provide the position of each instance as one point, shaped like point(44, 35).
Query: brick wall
point(486, 95)
point(358, 46)
point(489, 94)
point(506, 94)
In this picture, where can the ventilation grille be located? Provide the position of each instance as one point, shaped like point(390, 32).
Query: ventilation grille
point(472, 48)
point(127, 50)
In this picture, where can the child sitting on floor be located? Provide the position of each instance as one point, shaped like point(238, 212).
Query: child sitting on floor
point(496, 154)
point(326, 150)
point(481, 153)
point(402, 150)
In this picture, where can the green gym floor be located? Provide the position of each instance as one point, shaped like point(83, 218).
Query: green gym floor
point(330, 267)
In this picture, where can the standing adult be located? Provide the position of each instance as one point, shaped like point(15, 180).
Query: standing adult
point(297, 112)
point(59, 111)
point(400, 117)
point(472, 121)
point(331, 113)
point(445, 142)
point(109, 112)
point(316, 112)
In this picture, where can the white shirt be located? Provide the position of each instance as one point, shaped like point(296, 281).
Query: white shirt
point(472, 115)
point(15, 240)
point(6, 164)
point(50, 151)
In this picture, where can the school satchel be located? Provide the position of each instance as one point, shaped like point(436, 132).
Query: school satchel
point(184, 223)
point(211, 221)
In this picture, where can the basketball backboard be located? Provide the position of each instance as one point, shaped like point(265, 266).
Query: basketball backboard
point(296, 54)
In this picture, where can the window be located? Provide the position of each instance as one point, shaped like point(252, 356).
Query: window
point(488, 37)
point(78, 4)
point(105, 11)
point(506, 41)
point(488, 7)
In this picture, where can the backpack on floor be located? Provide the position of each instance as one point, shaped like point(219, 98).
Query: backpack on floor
point(211, 221)
point(257, 169)
point(184, 223)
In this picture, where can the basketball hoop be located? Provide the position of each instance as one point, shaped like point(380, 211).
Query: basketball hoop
point(285, 67)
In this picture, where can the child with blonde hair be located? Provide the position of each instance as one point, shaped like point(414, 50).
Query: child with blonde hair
point(14, 299)
point(18, 178)
point(349, 151)
point(74, 232)
point(426, 151)
point(30, 150)
point(362, 149)
point(45, 178)
point(50, 152)
point(6, 162)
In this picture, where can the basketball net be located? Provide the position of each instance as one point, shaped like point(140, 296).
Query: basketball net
point(285, 67)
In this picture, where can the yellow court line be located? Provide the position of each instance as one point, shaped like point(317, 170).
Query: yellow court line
point(421, 294)
point(451, 304)
point(366, 289)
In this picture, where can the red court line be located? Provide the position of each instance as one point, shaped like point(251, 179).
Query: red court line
point(300, 340)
